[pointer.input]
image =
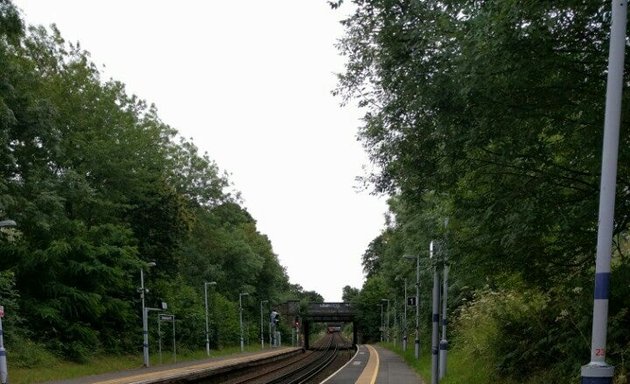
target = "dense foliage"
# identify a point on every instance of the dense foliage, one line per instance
(100, 187)
(490, 114)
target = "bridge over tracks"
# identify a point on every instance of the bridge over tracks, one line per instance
(322, 313)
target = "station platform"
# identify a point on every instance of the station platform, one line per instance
(369, 365)
(184, 371)
(375, 365)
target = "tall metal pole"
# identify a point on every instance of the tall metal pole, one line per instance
(174, 346)
(205, 289)
(444, 341)
(396, 324)
(417, 340)
(3, 355)
(145, 325)
(387, 326)
(145, 316)
(240, 312)
(262, 333)
(205, 297)
(272, 328)
(381, 305)
(436, 319)
(388, 323)
(404, 341)
(159, 338)
(4, 372)
(597, 371)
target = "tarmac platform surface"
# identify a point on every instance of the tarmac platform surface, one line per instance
(370, 365)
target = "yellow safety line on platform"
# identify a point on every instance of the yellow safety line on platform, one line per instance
(371, 368)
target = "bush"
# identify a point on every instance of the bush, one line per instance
(24, 353)
(475, 330)
(521, 333)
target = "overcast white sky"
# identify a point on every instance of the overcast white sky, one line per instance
(249, 81)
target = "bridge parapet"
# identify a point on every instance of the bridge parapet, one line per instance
(335, 312)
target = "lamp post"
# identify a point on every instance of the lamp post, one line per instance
(597, 371)
(444, 340)
(404, 315)
(405, 319)
(381, 305)
(417, 340)
(262, 333)
(435, 319)
(4, 373)
(145, 324)
(7, 223)
(387, 327)
(240, 312)
(205, 290)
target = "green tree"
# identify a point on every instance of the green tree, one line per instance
(349, 293)
(490, 114)
(100, 186)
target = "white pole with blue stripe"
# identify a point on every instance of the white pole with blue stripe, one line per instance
(597, 371)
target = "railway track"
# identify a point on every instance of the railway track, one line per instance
(327, 354)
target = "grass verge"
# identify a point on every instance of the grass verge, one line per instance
(55, 369)
(460, 368)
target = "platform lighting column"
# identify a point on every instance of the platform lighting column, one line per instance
(205, 290)
(240, 312)
(159, 327)
(417, 339)
(387, 326)
(262, 333)
(381, 327)
(4, 372)
(444, 340)
(389, 329)
(174, 345)
(435, 320)
(404, 341)
(145, 316)
(395, 325)
(597, 371)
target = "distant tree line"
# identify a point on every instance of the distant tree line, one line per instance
(100, 187)
(490, 114)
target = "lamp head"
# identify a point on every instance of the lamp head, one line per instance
(7, 223)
